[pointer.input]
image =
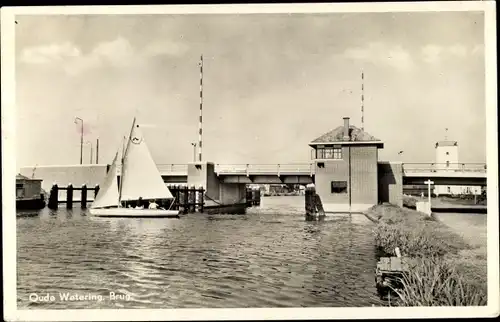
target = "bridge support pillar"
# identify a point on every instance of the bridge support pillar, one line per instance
(216, 192)
(203, 174)
(390, 182)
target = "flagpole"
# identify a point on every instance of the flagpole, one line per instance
(200, 128)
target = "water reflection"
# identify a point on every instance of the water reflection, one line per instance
(270, 257)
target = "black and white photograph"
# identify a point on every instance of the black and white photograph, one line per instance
(270, 161)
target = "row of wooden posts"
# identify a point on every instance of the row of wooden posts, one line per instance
(253, 197)
(54, 201)
(186, 199)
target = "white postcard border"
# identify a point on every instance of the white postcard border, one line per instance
(9, 163)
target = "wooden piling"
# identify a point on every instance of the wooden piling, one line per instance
(186, 199)
(310, 200)
(202, 199)
(192, 199)
(248, 196)
(257, 197)
(179, 197)
(83, 200)
(69, 196)
(314, 206)
(53, 197)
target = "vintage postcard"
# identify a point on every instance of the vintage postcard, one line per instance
(271, 161)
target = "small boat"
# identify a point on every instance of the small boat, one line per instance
(139, 180)
(29, 193)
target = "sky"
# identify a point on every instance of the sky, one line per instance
(272, 84)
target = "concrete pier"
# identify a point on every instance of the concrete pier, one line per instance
(218, 195)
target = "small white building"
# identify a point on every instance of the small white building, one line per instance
(447, 160)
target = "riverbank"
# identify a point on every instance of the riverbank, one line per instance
(411, 201)
(450, 272)
(447, 204)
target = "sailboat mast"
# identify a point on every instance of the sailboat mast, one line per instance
(121, 172)
(124, 152)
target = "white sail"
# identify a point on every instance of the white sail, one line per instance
(108, 193)
(140, 175)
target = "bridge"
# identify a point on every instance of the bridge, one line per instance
(472, 174)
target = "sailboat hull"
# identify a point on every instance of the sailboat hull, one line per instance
(134, 213)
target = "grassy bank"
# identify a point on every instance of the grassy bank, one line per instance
(450, 272)
(411, 201)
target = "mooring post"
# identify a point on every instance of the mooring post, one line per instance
(310, 198)
(177, 196)
(313, 200)
(186, 200)
(53, 197)
(192, 199)
(248, 194)
(83, 198)
(258, 196)
(202, 198)
(69, 196)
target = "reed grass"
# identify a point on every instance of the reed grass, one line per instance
(435, 282)
(449, 271)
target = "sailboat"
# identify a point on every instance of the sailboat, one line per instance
(139, 179)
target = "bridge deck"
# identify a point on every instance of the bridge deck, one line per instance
(411, 170)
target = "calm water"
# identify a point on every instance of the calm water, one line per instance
(269, 257)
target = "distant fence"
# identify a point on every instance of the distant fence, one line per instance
(444, 167)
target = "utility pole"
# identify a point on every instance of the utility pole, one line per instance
(194, 151)
(429, 183)
(81, 139)
(97, 152)
(362, 100)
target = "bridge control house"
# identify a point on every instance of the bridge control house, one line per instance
(348, 175)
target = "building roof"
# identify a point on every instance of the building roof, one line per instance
(337, 136)
(21, 177)
(446, 143)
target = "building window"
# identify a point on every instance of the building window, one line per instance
(339, 186)
(19, 190)
(329, 153)
(337, 153)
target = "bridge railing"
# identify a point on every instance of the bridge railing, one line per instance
(444, 167)
(276, 169)
(308, 168)
(173, 168)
